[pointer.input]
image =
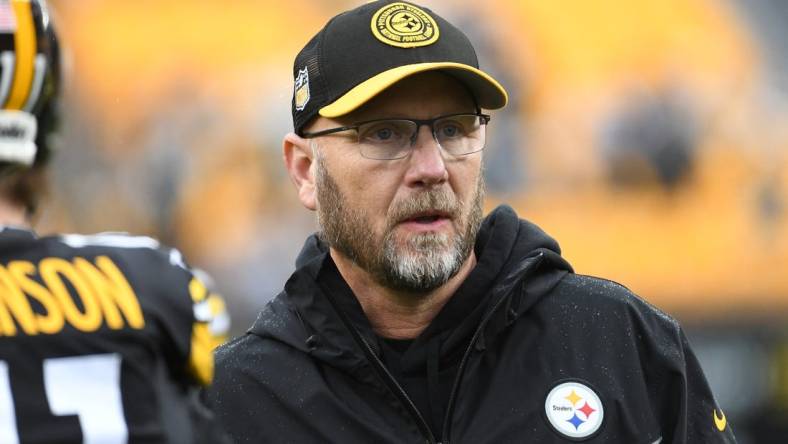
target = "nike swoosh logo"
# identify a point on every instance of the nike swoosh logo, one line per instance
(720, 422)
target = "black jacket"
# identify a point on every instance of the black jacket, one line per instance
(525, 351)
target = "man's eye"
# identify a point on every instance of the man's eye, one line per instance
(382, 133)
(450, 130)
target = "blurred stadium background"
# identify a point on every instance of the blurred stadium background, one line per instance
(649, 137)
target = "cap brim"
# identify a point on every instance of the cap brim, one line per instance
(488, 92)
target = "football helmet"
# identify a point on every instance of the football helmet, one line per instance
(29, 81)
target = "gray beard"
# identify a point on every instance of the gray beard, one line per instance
(423, 262)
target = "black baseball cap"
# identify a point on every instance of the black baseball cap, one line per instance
(361, 52)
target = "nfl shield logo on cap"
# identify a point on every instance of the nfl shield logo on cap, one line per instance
(301, 91)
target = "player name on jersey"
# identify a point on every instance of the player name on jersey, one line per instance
(35, 298)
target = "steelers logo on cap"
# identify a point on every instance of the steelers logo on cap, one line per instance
(404, 25)
(574, 410)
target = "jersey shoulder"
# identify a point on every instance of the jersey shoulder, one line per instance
(121, 244)
(154, 268)
(95, 275)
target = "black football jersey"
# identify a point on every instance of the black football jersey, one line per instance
(103, 339)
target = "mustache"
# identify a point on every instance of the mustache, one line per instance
(439, 201)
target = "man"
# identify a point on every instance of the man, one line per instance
(103, 339)
(410, 318)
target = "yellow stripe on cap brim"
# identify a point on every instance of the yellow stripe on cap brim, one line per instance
(488, 92)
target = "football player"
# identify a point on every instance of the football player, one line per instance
(104, 338)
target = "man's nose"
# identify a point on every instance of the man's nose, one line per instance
(427, 165)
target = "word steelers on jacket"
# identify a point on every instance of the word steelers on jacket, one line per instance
(574, 410)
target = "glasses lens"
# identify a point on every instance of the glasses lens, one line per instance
(460, 134)
(386, 139)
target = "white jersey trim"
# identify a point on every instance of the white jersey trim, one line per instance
(121, 240)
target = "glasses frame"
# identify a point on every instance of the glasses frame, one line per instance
(484, 119)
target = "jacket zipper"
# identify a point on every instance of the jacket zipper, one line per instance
(466, 356)
(400, 392)
(384, 373)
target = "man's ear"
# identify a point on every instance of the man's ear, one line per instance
(299, 158)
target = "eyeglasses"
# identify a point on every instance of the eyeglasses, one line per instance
(389, 139)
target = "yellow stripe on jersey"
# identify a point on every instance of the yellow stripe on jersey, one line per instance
(25, 41)
(207, 308)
